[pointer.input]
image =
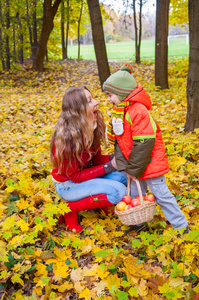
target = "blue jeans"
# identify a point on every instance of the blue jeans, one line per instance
(112, 184)
(164, 198)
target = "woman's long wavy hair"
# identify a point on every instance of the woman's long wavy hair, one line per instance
(74, 129)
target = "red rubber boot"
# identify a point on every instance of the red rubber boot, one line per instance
(91, 202)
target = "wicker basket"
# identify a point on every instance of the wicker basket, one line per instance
(139, 214)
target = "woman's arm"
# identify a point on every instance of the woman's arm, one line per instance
(99, 158)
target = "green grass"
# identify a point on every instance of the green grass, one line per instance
(126, 50)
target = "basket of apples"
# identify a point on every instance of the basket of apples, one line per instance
(138, 210)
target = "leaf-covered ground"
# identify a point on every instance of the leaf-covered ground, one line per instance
(40, 259)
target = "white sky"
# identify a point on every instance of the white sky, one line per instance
(118, 4)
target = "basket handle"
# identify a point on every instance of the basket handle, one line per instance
(138, 187)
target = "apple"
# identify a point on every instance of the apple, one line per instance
(121, 206)
(150, 198)
(127, 199)
(127, 207)
(138, 197)
(135, 202)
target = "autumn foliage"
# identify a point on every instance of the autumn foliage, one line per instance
(40, 259)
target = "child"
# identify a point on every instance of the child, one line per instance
(139, 148)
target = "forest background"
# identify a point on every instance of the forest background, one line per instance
(40, 259)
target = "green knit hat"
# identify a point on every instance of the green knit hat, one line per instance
(121, 83)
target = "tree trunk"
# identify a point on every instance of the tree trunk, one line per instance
(62, 31)
(1, 38)
(161, 43)
(138, 31)
(7, 37)
(49, 12)
(34, 17)
(29, 27)
(79, 24)
(19, 37)
(98, 40)
(14, 43)
(67, 25)
(192, 119)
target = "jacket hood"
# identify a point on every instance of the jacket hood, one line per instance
(139, 95)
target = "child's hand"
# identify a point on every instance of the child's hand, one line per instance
(132, 177)
(117, 126)
(113, 162)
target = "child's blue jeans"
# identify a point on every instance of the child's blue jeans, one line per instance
(112, 184)
(164, 198)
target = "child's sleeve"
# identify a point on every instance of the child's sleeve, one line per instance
(143, 134)
(139, 157)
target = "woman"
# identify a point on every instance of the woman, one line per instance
(83, 177)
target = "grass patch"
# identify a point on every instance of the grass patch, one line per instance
(126, 50)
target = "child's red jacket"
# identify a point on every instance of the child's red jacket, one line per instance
(140, 150)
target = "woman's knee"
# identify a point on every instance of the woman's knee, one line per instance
(117, 176)
(117, 193)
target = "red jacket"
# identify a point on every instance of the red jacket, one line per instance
(93, 167)
(140, 150)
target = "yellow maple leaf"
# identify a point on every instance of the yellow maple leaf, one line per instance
(135, 269)
(63, 207)
(85, 294)
(66, 286)
(76, 275)
(3, 252)
(142, 287)
(23, 225)
(19, 295)
(86, 249)
(113, 281)
(60, 254)
(17, 279)
(16, 241)
(40, 270)
(9, 223)
(79, 287)
(99, 287)
(60, 269)
(178, 281)
(23, 204)
(2, 209)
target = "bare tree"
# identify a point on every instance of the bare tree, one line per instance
(192, 119)
(79, 24)
(49, 12)
(98, 40)
(62, 30)
(138, 30)
(161, 43)
(7, 36)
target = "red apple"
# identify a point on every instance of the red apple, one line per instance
(135, 202)
(127, 199)
(150, 198)
(138, 197)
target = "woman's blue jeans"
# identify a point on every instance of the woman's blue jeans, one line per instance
(164, 198)
(112, 184)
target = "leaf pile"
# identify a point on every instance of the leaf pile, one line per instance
(40, 259)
